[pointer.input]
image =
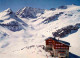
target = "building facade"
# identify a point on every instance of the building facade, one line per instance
(57, 48)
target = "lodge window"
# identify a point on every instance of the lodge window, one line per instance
(62, 54)
(58, 47)
(49, 41)
(61, 44)
(66, 47)
(63, 47)
(57, 44)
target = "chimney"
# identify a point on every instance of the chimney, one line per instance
(58, 38)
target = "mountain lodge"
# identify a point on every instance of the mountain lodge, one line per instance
(57, 48)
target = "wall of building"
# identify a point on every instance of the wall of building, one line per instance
(57, 50)
(56, 47)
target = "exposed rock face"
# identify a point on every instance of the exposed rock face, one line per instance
(13, 26)
(3, 35)
(8, 10)
(62, 7)
(66, 30)
(11, 21)
(52, 18)
(53, 9)
(29, 12)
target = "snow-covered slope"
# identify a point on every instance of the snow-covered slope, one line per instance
(8, 19)
(28, 42)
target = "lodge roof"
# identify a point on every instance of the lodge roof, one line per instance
(64, 42)
(53, 38)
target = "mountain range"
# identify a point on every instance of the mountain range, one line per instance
(23, 32)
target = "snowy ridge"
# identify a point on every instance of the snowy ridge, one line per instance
(8, 19)
(28, 42)
(29, 12)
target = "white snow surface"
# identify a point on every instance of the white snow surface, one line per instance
(27, 43)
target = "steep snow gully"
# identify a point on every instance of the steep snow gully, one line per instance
(22, 34)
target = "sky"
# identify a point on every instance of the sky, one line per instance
(43, 4)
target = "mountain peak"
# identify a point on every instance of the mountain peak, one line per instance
(52, 9)
(8, 10)
(62, 7)
(29, 12)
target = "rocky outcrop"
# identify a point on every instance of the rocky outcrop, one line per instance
(29, 12)
(53, 9)
(3, 35)
(13, 26)
(62, 7)
(65, 31)
(11, 21)
(52, 18)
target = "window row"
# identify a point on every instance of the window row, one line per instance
(59, 44)
(49, 41)
(61, 47)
